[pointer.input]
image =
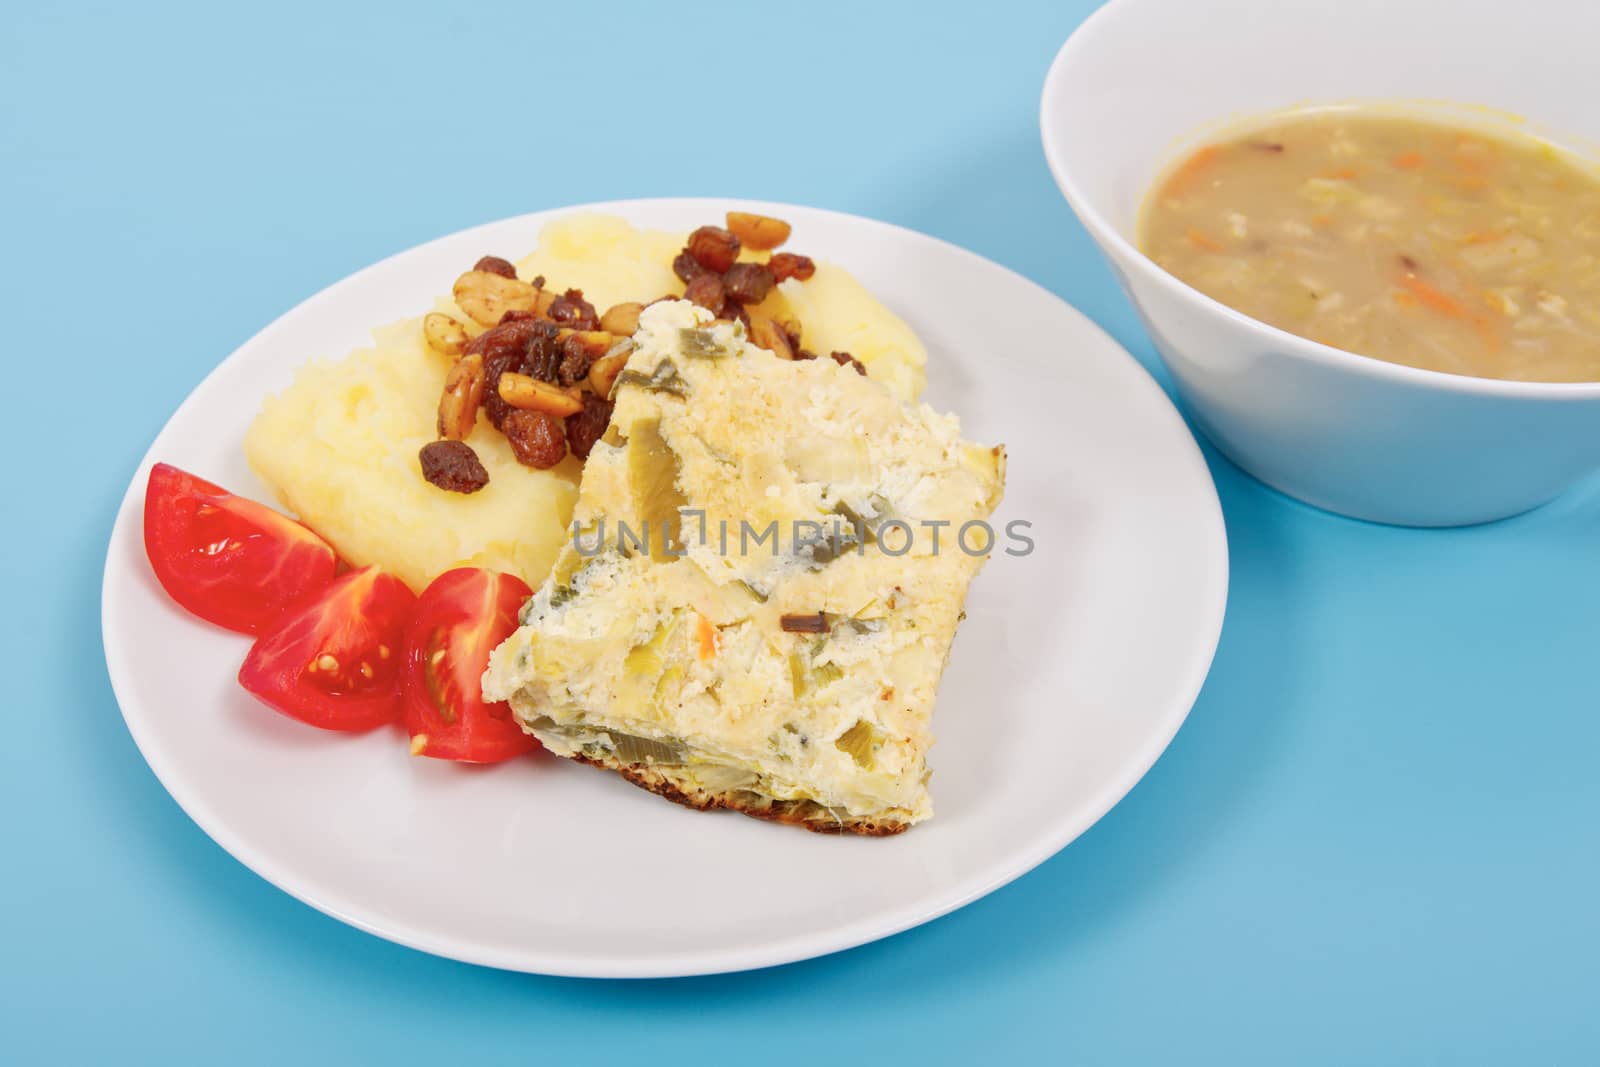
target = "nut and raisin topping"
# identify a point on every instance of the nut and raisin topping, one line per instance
(542, 365)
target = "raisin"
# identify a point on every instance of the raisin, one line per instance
(518, 315)
(575, 362)
(571, 309)
(496, 265)
(804, 353)
(536, 437)
(734, 311)
(748, 283)
(845, 359)
(453, 466)
(707, 291)
(687, 268)
(786, 265)
(544, 355)
(494, 408)
(508, 338)
(588, 425)
(713, 248)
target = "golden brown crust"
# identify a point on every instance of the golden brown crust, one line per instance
(806, 813)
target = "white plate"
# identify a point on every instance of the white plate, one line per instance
(1075, 666)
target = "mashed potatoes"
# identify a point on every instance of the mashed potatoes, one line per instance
(340, 445)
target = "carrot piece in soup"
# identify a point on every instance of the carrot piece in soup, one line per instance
(1190, 170)
(1431, 296)
(1408, 161)
(1201, 239)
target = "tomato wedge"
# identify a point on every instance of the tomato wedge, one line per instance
(229, 560)
(335, 663)
(460, 619)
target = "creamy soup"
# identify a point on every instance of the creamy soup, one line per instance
(1410, 240)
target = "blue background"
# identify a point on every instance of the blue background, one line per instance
(1375, 839)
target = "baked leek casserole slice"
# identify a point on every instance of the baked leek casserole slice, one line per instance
(768, 563)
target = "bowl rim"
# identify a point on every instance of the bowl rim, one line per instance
(1111, 241)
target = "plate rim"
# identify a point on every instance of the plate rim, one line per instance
(769, 952)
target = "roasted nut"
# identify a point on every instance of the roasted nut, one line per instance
(603, 374)
(707, 291)
(761, 232)
(530, 394)
(713, 248)
(786, 265)
(453, 466)
(496, 265)
(537, 438)
(463, 393)
(748, 283)
(765, 332)
(588, 425)
(486, 297)
(622, 319)
(571, 309)
(444, 335)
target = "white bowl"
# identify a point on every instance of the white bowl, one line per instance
(1143, 80)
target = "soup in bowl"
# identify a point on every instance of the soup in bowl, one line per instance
(1379, 303)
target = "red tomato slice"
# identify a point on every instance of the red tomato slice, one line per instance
(335, 663)
(229, 560)
(460, 619)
